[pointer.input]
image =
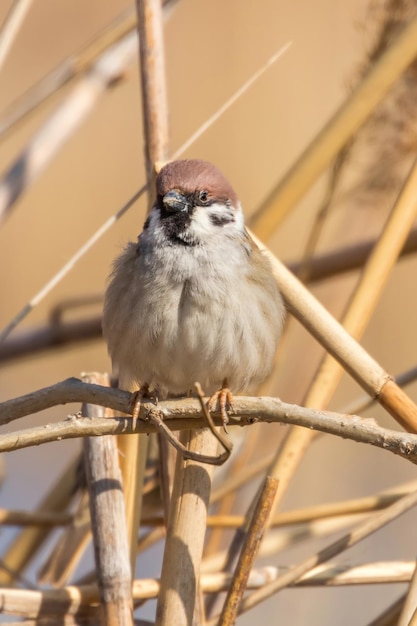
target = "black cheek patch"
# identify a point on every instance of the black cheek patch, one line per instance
(221, 220)
(147, 222)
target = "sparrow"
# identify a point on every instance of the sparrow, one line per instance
(194, 299)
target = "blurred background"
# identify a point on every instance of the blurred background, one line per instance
(212, 47)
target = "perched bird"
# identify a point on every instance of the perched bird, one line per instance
(194, 299)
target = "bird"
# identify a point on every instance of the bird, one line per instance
(194, 299)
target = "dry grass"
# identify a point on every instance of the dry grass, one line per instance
(220, 531)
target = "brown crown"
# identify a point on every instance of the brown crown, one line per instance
(190, 175)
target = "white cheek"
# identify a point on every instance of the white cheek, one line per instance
(201, 223)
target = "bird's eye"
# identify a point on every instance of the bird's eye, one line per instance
(203, 197)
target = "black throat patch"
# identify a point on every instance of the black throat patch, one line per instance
(176, 226)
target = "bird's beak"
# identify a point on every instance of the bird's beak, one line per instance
(174, 201)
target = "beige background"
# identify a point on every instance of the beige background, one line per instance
(212, 48)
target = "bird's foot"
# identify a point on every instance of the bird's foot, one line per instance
(136, 402)
(224, 399)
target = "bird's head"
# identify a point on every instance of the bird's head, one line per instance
(194, 202)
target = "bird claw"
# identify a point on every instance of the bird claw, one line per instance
(136, 403)
(224, 398)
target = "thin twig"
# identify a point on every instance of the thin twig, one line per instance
(237, 94)
(157, 420)
(249, 552)
(65, 269)
(11, 26)
(358, 534)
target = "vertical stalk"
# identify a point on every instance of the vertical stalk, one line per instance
(133, 449)
(108, 521)
(186, 531)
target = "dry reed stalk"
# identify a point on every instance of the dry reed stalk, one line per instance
(344, 259)
(337, 341)
(64, 122)
(133, 450)
(70, 68)
(347, 120)
(409, 611)
(108, 521)
(237, 475)
(362, 304)
(64, 557)
(154, 94)
(11, 26)
(363, 301)
(357, 534)
(356, 506)
(185, 533)
(246, 474)
(390, 615)
(353, 358)
(29, 518)
(30, 540)
(78, 601)
(250, 546)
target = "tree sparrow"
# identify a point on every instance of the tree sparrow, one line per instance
(194, 299)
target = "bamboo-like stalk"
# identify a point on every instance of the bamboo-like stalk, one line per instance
(363, 302)
(154, 95)
(347, 120)
(133, 450)
(108, 522)
(249, 552)
(185, 533)
(341, 345)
